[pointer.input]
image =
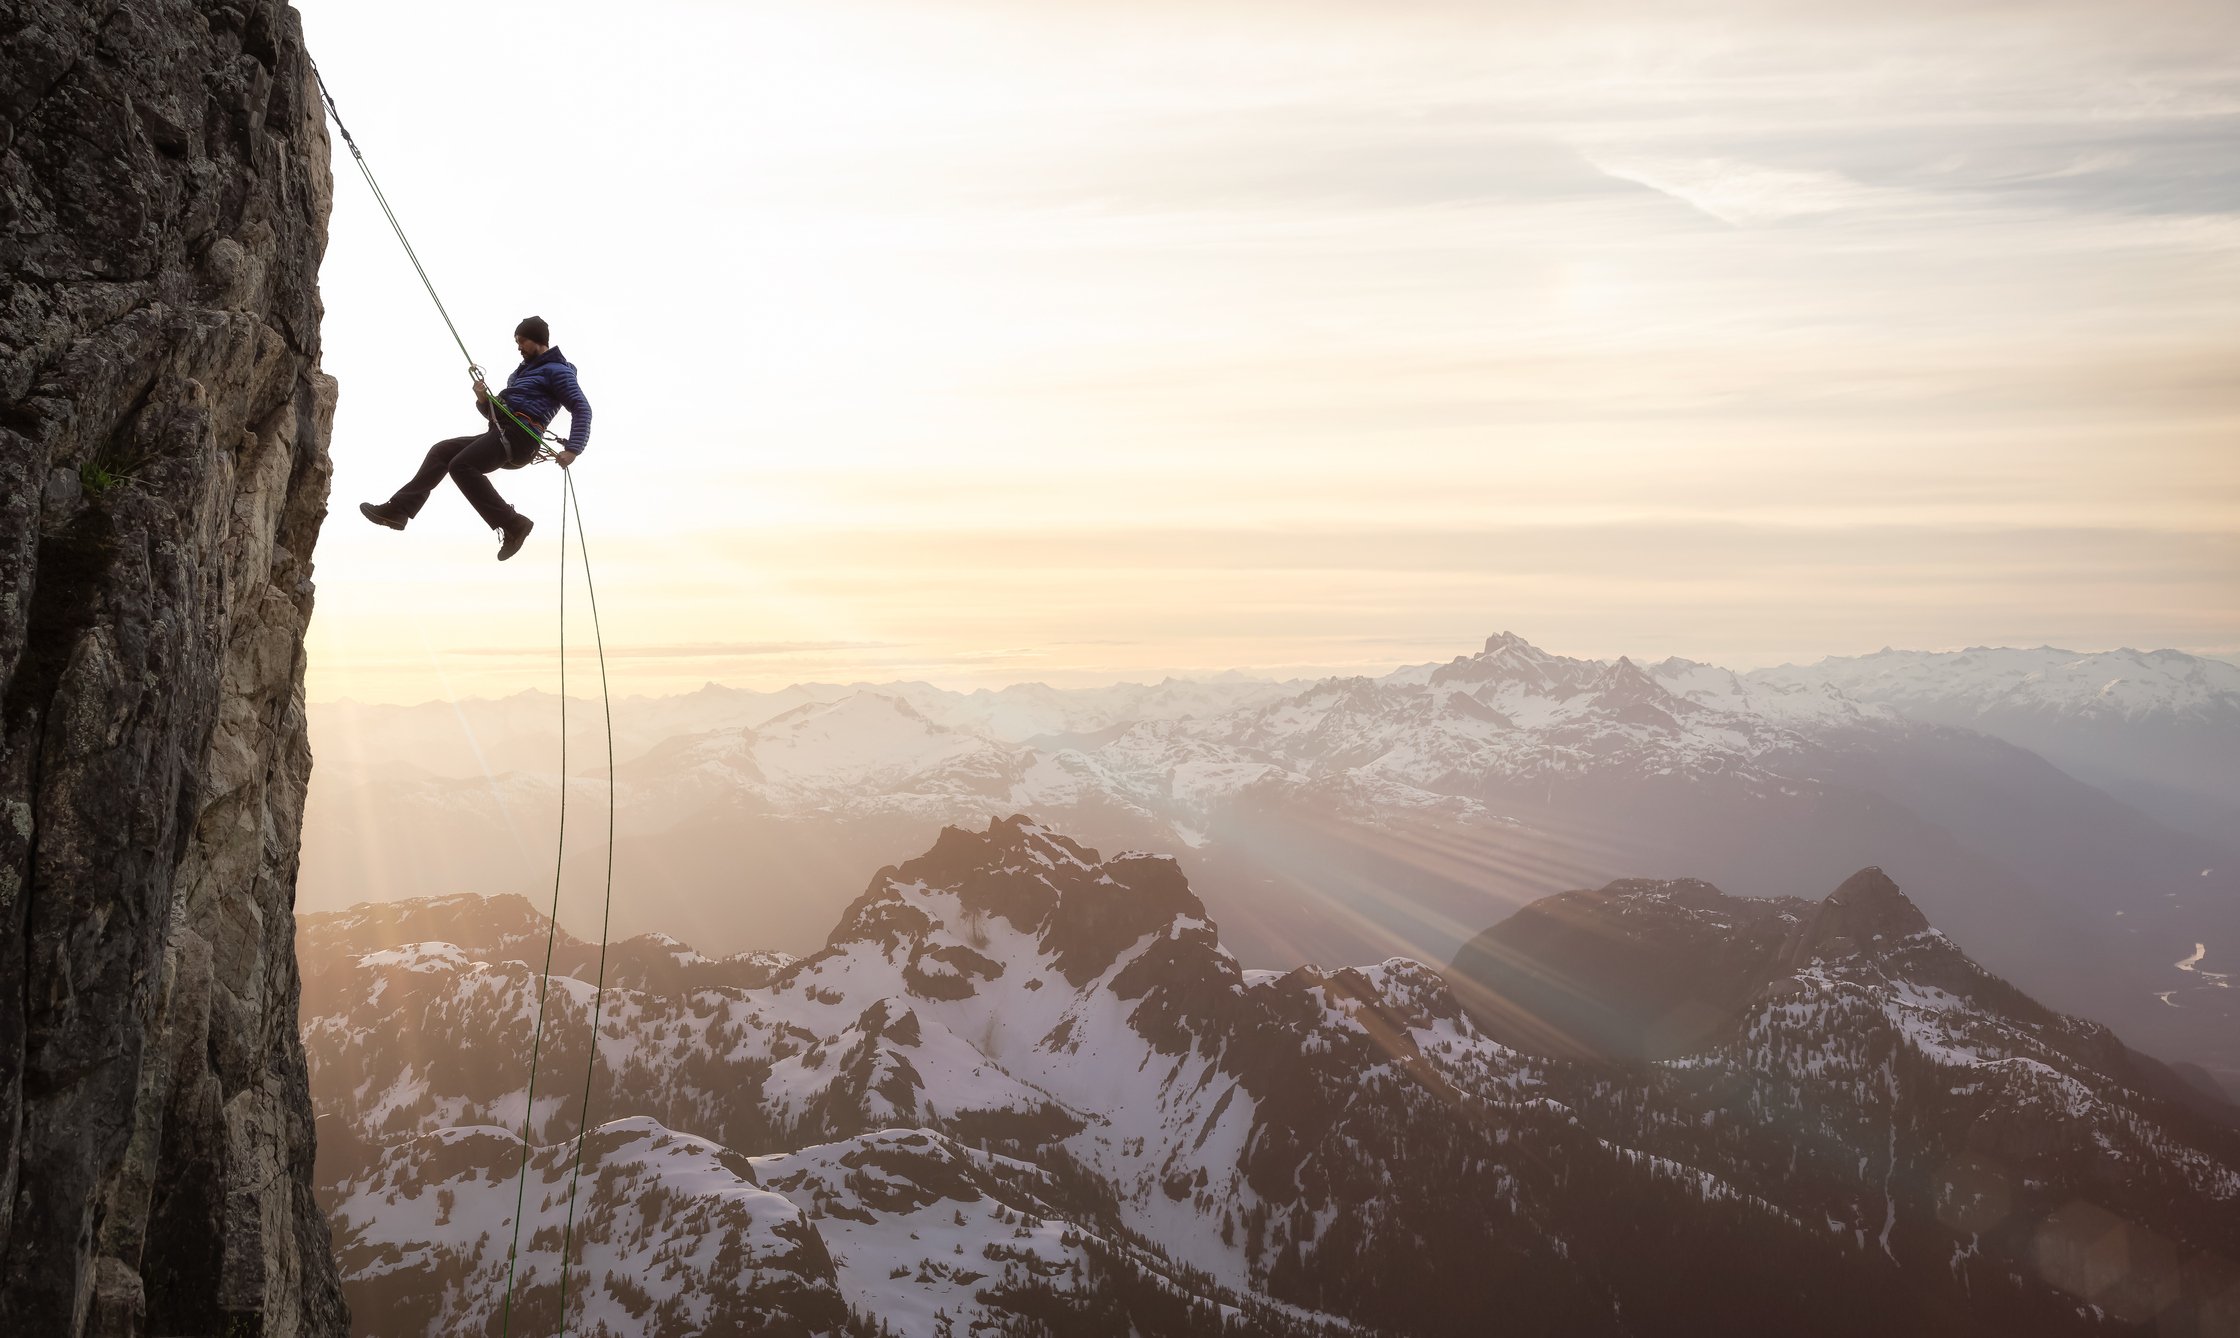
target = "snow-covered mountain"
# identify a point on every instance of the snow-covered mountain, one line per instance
(1431, 740)
(1356, 818)
(481, 737)
(2114, 685)
(2159, 729)
(1024, 1089)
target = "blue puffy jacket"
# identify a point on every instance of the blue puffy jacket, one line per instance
(544, 385)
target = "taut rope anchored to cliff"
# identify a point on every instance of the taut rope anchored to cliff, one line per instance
(547, 446)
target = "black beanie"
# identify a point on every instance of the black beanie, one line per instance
(534, 328)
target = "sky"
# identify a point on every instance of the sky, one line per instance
(985, 341)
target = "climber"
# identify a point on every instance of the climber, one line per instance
(544, 383)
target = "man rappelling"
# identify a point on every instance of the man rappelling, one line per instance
(543, 384)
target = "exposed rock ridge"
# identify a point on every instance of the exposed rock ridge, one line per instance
(164, 189)
(1650, 968)
(1866, 910)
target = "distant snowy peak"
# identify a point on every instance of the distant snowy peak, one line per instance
(1514, 713)
(859, 735)
(1794, 703)
(2116, 685)
(1510, 660)
(1031, 712)
(2127, 685)
(1532, 686)
(864, 743)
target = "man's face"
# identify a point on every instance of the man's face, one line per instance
(527, 345)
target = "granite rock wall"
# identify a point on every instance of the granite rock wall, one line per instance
(164, 188)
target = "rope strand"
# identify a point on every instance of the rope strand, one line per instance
(544, 980)
(386, 212)
(599, 989)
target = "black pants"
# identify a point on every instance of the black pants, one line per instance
(469, 461)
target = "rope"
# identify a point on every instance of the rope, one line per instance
(544, 979)
(365, 170)
(549, 444)
(599, 989)
(390, 214)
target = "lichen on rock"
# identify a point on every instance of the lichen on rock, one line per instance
(164, 190)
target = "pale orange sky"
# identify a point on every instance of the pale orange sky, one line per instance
(981, 342)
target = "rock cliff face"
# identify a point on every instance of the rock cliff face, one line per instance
(164, 189)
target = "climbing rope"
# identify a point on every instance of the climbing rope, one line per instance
(599, 989)
(544, 978)
(391, 215)
(547, 449)
(568, 504)
(381, 198)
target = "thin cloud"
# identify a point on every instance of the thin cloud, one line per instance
(1748, 194)
(701, 650)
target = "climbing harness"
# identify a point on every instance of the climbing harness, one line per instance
(548, 448)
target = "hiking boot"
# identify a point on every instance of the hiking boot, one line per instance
(381, 513)
(517, 534)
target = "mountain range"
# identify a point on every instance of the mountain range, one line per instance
(1352, 818)
(2159, 730)
(1023, 1088)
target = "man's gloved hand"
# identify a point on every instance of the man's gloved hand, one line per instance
(567, 458)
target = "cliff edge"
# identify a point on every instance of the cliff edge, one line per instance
(164, 188)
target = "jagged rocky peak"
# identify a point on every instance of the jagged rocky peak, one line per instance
(1080, 907)
(1336, 695)
(1636, 698)
(1626, 676)
(1654, 968)
(1510, 658)
(1509, 664)
(164, 188)
(1866, 911)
